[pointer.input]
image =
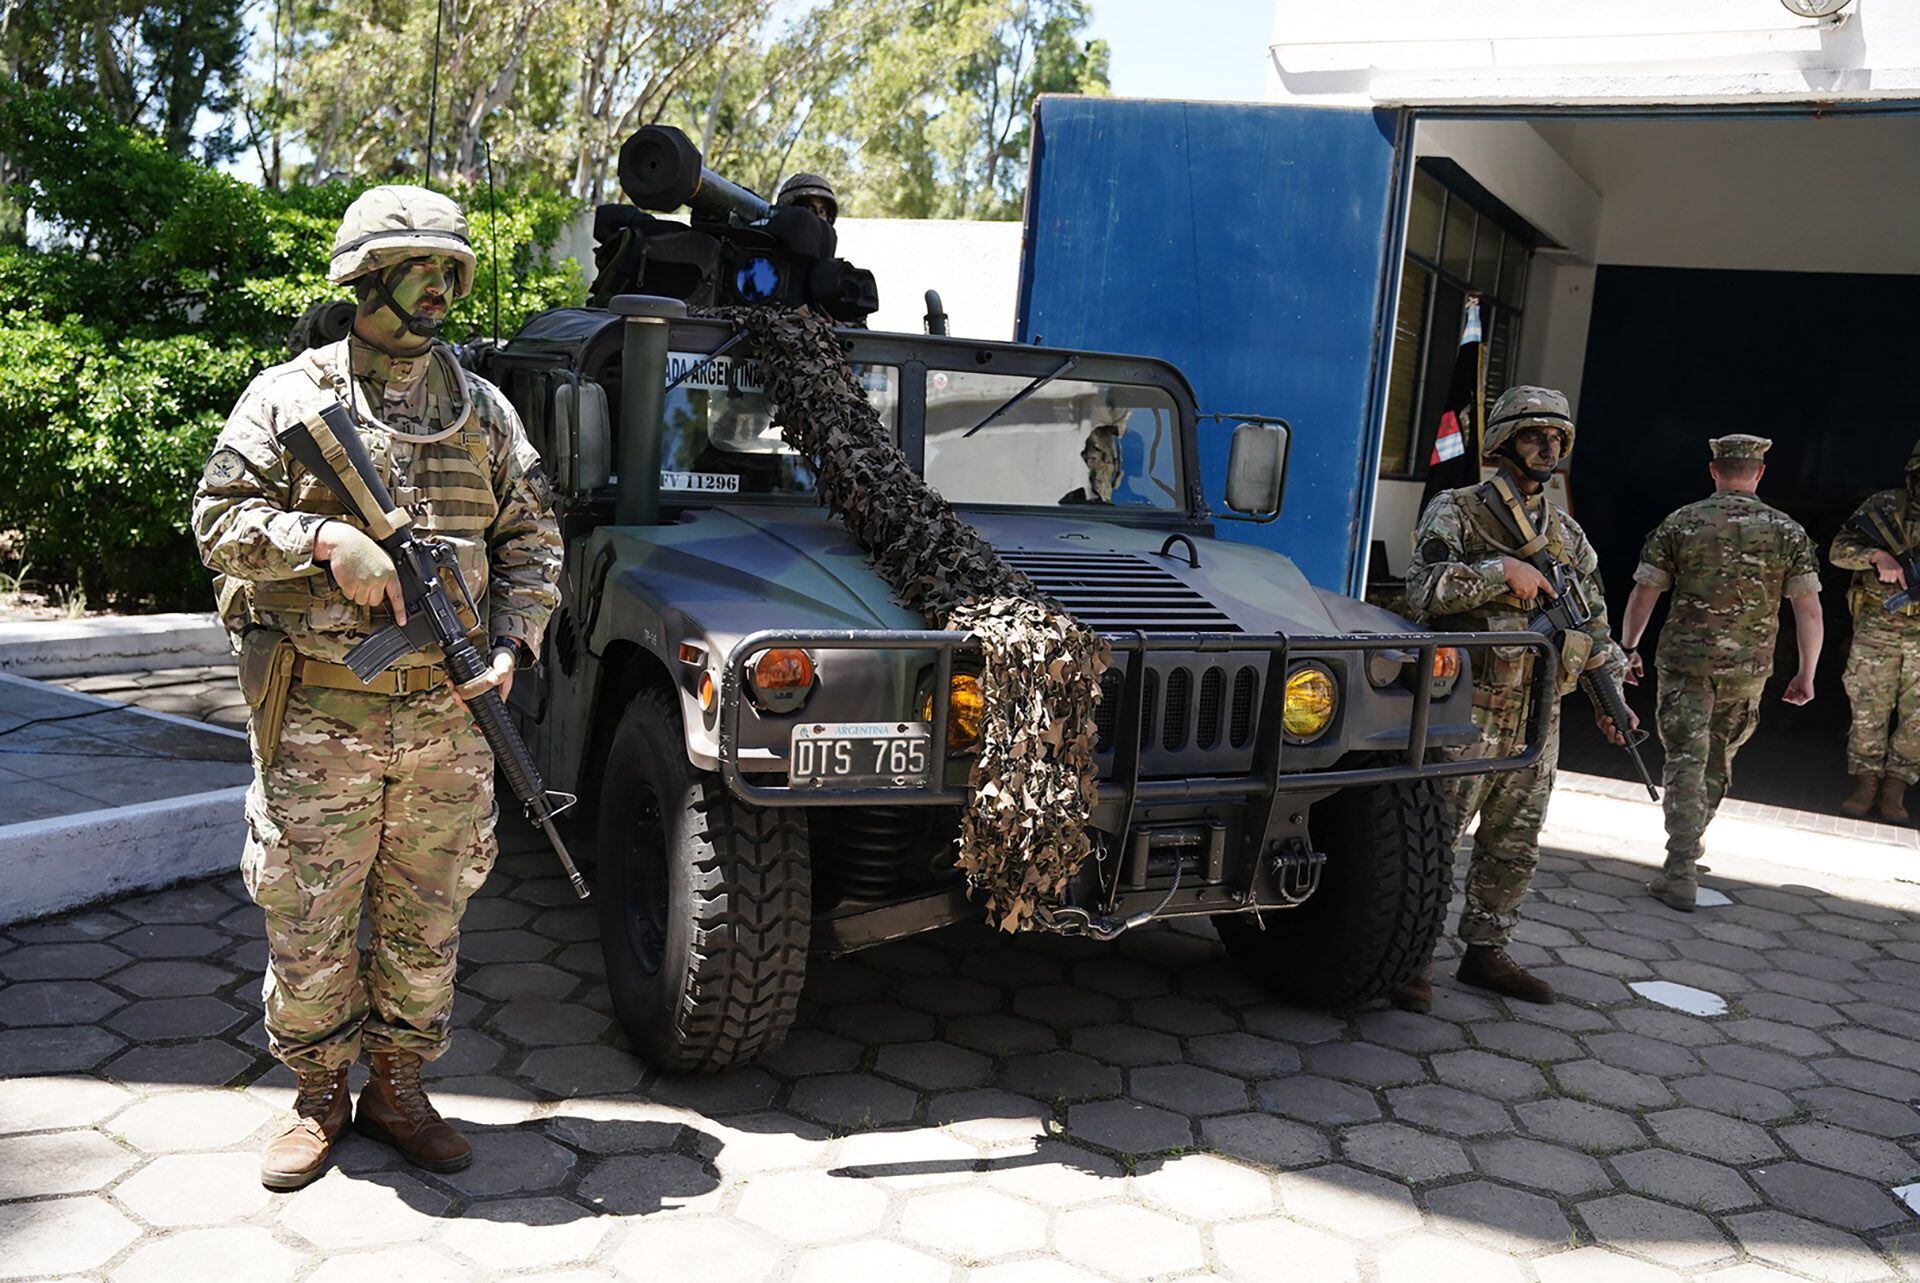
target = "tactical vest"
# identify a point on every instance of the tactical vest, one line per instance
(1866, 592)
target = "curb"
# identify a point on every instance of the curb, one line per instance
(112, 644)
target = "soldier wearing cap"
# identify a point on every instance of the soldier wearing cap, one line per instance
(372, 798)
(812, 192)
(1469, 573)
(1728, 559)
(1882, 676)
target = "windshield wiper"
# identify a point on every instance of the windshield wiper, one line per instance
(1023, 394)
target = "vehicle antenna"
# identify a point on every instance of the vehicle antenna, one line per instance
(493, 237)
(433, 90)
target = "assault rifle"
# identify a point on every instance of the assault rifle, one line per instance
(440, 610)
(1881, 538)
(1567, 611)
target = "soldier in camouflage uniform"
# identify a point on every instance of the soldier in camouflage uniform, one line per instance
(1882, 676)
(1468, 573)
(374, 794)
(1728, 559)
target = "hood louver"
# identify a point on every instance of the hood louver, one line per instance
(1119, 591)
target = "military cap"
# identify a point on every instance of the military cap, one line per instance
(1526, 407)
(1740, 445)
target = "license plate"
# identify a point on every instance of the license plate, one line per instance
(859, 755)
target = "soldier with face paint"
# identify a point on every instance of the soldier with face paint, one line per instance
(1468, 574)
(372, 798)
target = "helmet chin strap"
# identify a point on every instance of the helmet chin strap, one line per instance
(1539, 476)
(426, 327)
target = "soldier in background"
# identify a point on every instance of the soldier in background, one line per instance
(1728, 560)
(1882, 677)
(812, 192)
(371, 796)
(1464, 577)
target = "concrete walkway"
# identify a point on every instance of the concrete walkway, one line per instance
(966, 1106)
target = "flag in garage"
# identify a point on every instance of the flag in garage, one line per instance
(1456, 441)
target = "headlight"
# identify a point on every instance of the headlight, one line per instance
(1310, 701)
(1384, 667)
(966, 712)
(1446, 671)
(781, 679)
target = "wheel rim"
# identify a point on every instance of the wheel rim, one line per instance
(644, 902)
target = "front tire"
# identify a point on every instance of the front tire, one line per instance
(1380, 906)
(704, 902)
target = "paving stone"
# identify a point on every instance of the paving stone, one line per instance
(1065, 1006)
(948, 995)
(61, 1236)
(484, 1101)
(1274, 1248)
(76, 1162)
(1567, 1017)
(195, 1189)
(1844, 1107)
(384, 1207)
(1425, 1258)
(1107, 972)
(1528, 1042)
(1829, 1197)
(1362, 1063)
(1312, 1099)
(1681, 1178)
(1127, 1242)
(812, 1051)
(1865, 1075)
(1400, 1151)
(1060, 1076)
(880, 1261)
(1501, 1217)
(206, 1062)
(1537, 1165)
(1774, 1035)
(1643, 1055)
(907, 1158)
(232, 1252)
(467, 1054)
(172, 940)
(1590, 1128)
(1201, 1187)
(996, 1034)
(695, 1247)
(1244, 1055)
(173, 978)
(1758, 1065)
(1610, 1085)
(645, 1184)
(1264, 1139)
(746, 1144)
(409, 1264)
(510, 1162)
(1660, 1232)
(857, 1101)
(1501, 1077)
(581, 1070)
(1347, 1201)
(197, 902)
(837, 982)
(1407, 1031)
(1598, 1265)
(1188, 1089)
(55, 1002)
(1292, 1024)
(1129, 1127)
(37, 1104)
(811, 1206)
(1450, 1110)
(737, 1091)
(988, 1117)
(189, 1120)
(1807, 1247)
(973, 1224)
(1875, 1045)
(155, 1018)
(1732, 1096)
(78, 961)
(541, 1023)
(933, 1066)
(523, 1233)
(1126, 1044)
(1182, 1017)
(54, 1050)
(1711, 1135)
(1849, 1151)
(509, 980)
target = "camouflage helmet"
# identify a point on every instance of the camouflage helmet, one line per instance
(390, 224)
(1913, 459)
(1526, 407)
(798, 187)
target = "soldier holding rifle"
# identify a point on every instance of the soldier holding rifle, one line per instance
(1728, 560)
(1477, 564)
(373, 792)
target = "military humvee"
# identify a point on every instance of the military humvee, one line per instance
(778, 751)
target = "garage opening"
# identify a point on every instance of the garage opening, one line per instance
(1680, 277)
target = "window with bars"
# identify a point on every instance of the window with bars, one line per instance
(1459, 239)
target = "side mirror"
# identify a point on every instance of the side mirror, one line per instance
(1257, 470)
(582, 436)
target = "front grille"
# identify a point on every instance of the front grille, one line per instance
(1241, 729)
(1179, 691)
(1120, 592)
(1211, 687)
(1222, 706)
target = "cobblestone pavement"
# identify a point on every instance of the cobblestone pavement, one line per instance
(207, 693)
(967, 1107)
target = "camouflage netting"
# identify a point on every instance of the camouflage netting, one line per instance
(1024, 834)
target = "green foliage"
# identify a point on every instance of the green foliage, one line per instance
(156, 291)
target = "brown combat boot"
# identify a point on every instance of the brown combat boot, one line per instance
(1417, 994)
(1893, 800)
(321, 1108)
(1676, 891)
(1487, 966)
(394, 1110)
(1860, 801)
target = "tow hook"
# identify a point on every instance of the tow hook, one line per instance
(1071, 920)
(1295, 871)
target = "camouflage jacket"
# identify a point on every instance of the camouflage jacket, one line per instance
(1728, 560)
(1455, 582)
(479, 489)
(1852, 549)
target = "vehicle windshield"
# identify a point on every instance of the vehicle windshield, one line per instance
(1070, 442)
(718, 435)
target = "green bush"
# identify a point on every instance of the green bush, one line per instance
(155, 290)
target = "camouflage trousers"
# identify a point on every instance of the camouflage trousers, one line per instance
(1703, 722)
(376, 801)
(1511, 805)
(1882, 680)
